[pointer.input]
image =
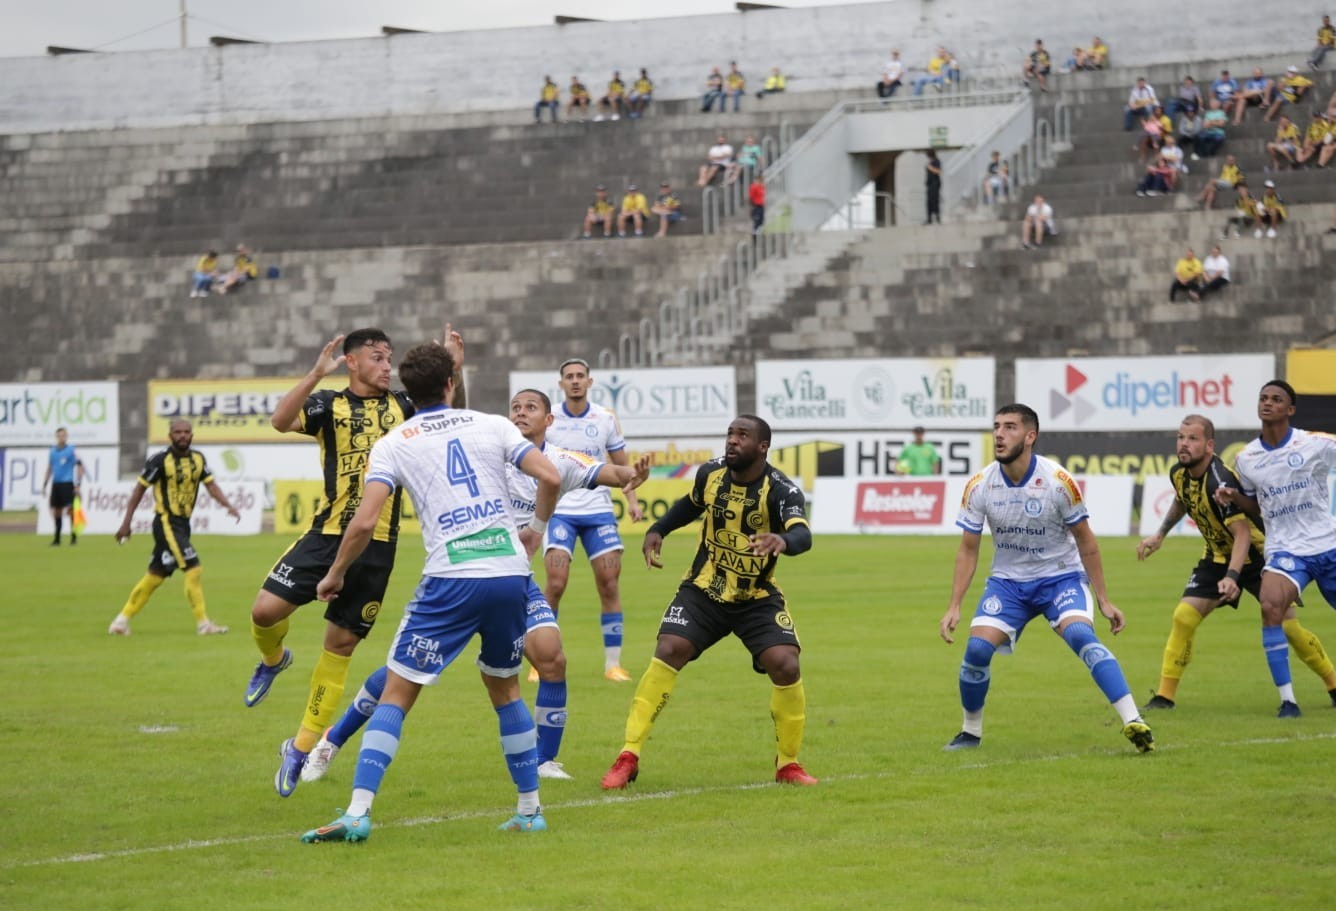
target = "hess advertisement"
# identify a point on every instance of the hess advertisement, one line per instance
(948, 393)
(652, 402)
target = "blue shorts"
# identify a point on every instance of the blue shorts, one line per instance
(442, 618)
(537, 612)
(598, 534)
(1319, 568)
(1008, 605)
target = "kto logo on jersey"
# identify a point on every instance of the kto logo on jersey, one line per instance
(899, 502)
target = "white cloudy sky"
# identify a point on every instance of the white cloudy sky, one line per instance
(28, 27)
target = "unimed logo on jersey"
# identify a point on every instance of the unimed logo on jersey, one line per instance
(899, 503)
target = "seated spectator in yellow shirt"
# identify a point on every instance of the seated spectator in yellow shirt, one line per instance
(1285, 145)
(642, 93)
(613, 102)
(774, 83)
(1289, 90)
(1326, 40)
(735, 86)
(243, 270)
(1090, 58)
(1188, 273)
(668, 206)
(547, 99)
(1315, 140)
(1270, 210)
(206, 272)
(579, 99)
(635, 209)
(1230, 176)
(600, 212)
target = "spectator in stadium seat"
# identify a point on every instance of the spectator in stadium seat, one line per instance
(1328, 143)
(1037, 66)
(1152, 137)
(1188, 273)
(1314, 139)
(635, 209)
(642, 93)
(548, 98)
(997, 182)
(579, 99)
(668, 207)
(714, 91)
(600, 212)
(1212, 135)
(206, 273)
(1230, 176)
(936, 74)
(750, 160)
(735, 86)
(243, 271)
(1189, 127)
(717, 161)
(1291, 89)
(1285, 145)
(1140, 101)
(774, 83)
(1215, 272)
(1270, 210)
(1258, 90)
(1037, 223)
(1244, 214)
(1158, 178)
(1094, 57)
(1326, 40)
(1187, 99)
(1225, 88)
(891, 75)
(612, 103)
(1172, 153)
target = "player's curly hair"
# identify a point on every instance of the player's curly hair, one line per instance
(425, 371)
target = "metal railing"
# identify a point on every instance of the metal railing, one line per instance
(1024, 161)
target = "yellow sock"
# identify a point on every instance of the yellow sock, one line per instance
(140, 594)
(327, 682)
(1178, 650)
(269, 640)
(195, 593)
(652, 694)
(788, 706)
(1309, 649)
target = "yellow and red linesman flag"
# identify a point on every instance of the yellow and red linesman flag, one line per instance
(78, 518)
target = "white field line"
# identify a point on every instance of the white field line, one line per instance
(638, 797)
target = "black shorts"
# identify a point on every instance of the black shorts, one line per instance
(62, 494)
(760, 624)
(172, 549)
(1206, 575)
(296, 574)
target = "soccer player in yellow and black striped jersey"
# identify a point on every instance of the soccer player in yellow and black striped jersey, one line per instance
(346, 423)
(751, 514)
(175, 475)
(1230, 564)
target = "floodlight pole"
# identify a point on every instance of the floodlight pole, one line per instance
(183, 24)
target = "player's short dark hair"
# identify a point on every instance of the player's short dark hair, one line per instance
(361, 337)
(1029, 418)
(1207, 425)
(424, 373)
(1289, 390)
(542, 397)
(762, 426)
(574, 360)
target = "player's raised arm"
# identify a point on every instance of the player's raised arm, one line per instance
(967, 561)
(627, 477)
(286, 416)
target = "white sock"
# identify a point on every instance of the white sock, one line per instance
(612, 656)
(528, 805)
(360, 803)
(1127, 709)
(1287, 692)
(973, 723)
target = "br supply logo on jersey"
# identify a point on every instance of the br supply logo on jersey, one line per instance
(899, 503)
(1143, 393)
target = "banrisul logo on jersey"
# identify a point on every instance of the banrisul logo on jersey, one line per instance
(1146, 393)
(950, 393)
(652, 402)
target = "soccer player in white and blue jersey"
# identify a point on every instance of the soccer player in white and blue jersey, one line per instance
(476, 579)
(1283, 480)
(1046, 563)
(586, 516)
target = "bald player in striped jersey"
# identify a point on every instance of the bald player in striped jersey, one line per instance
(1046, 563)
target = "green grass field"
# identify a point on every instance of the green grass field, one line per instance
(135, 778)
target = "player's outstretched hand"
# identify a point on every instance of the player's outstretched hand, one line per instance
(950, 620)
(329, 587)
(454, 343)
(1115, 617)
(768, 544)
(651, 549)
(1148, 546)
(329, 361)
(641, 467)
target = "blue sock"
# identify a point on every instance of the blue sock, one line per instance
(379, 745)
(550, 714)
(519, 744)
(1277, 654)
(975, 673)
(612, 630)
(356, 715)
(1108, 674)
